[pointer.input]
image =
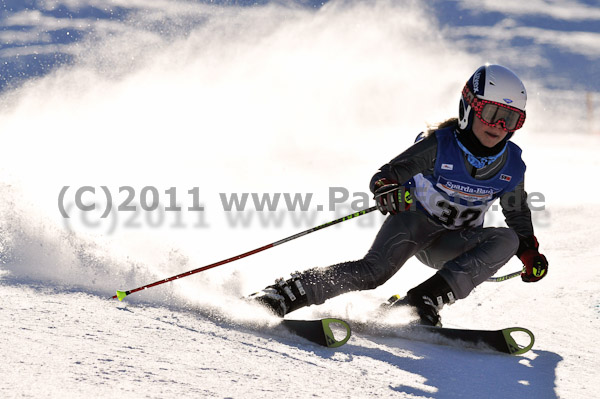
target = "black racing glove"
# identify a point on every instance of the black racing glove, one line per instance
(391, 197)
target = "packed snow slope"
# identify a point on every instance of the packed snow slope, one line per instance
(169, 111)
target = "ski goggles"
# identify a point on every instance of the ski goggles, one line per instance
(492, 113)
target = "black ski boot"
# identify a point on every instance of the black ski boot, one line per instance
(427, 298)
(282, 297)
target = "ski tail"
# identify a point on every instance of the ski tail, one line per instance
(319, 331)
(499, 340)
(513, 347)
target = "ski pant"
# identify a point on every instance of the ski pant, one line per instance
(464, 258)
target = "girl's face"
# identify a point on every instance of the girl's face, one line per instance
(489, 136)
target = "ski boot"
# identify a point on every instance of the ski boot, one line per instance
(282, 297)
(428, 298)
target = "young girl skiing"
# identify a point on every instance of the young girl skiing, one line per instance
(436, 194)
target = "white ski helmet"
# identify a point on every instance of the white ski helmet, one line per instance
(496, 95)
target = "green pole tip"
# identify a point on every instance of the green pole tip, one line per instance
(121, 295)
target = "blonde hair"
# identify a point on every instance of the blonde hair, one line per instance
(447, 123)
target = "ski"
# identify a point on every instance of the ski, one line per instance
(318, 331)
(498, 340)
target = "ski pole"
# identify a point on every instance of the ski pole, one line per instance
(504, 278)
(122, 294)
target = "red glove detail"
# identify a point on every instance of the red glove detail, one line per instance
(535, 264)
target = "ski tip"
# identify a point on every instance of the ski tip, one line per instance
(121, 295)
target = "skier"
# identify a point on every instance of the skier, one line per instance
(436, 194)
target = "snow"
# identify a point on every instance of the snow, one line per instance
(72, 344)
(278, 98)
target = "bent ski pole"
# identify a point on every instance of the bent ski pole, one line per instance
(122, 294)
